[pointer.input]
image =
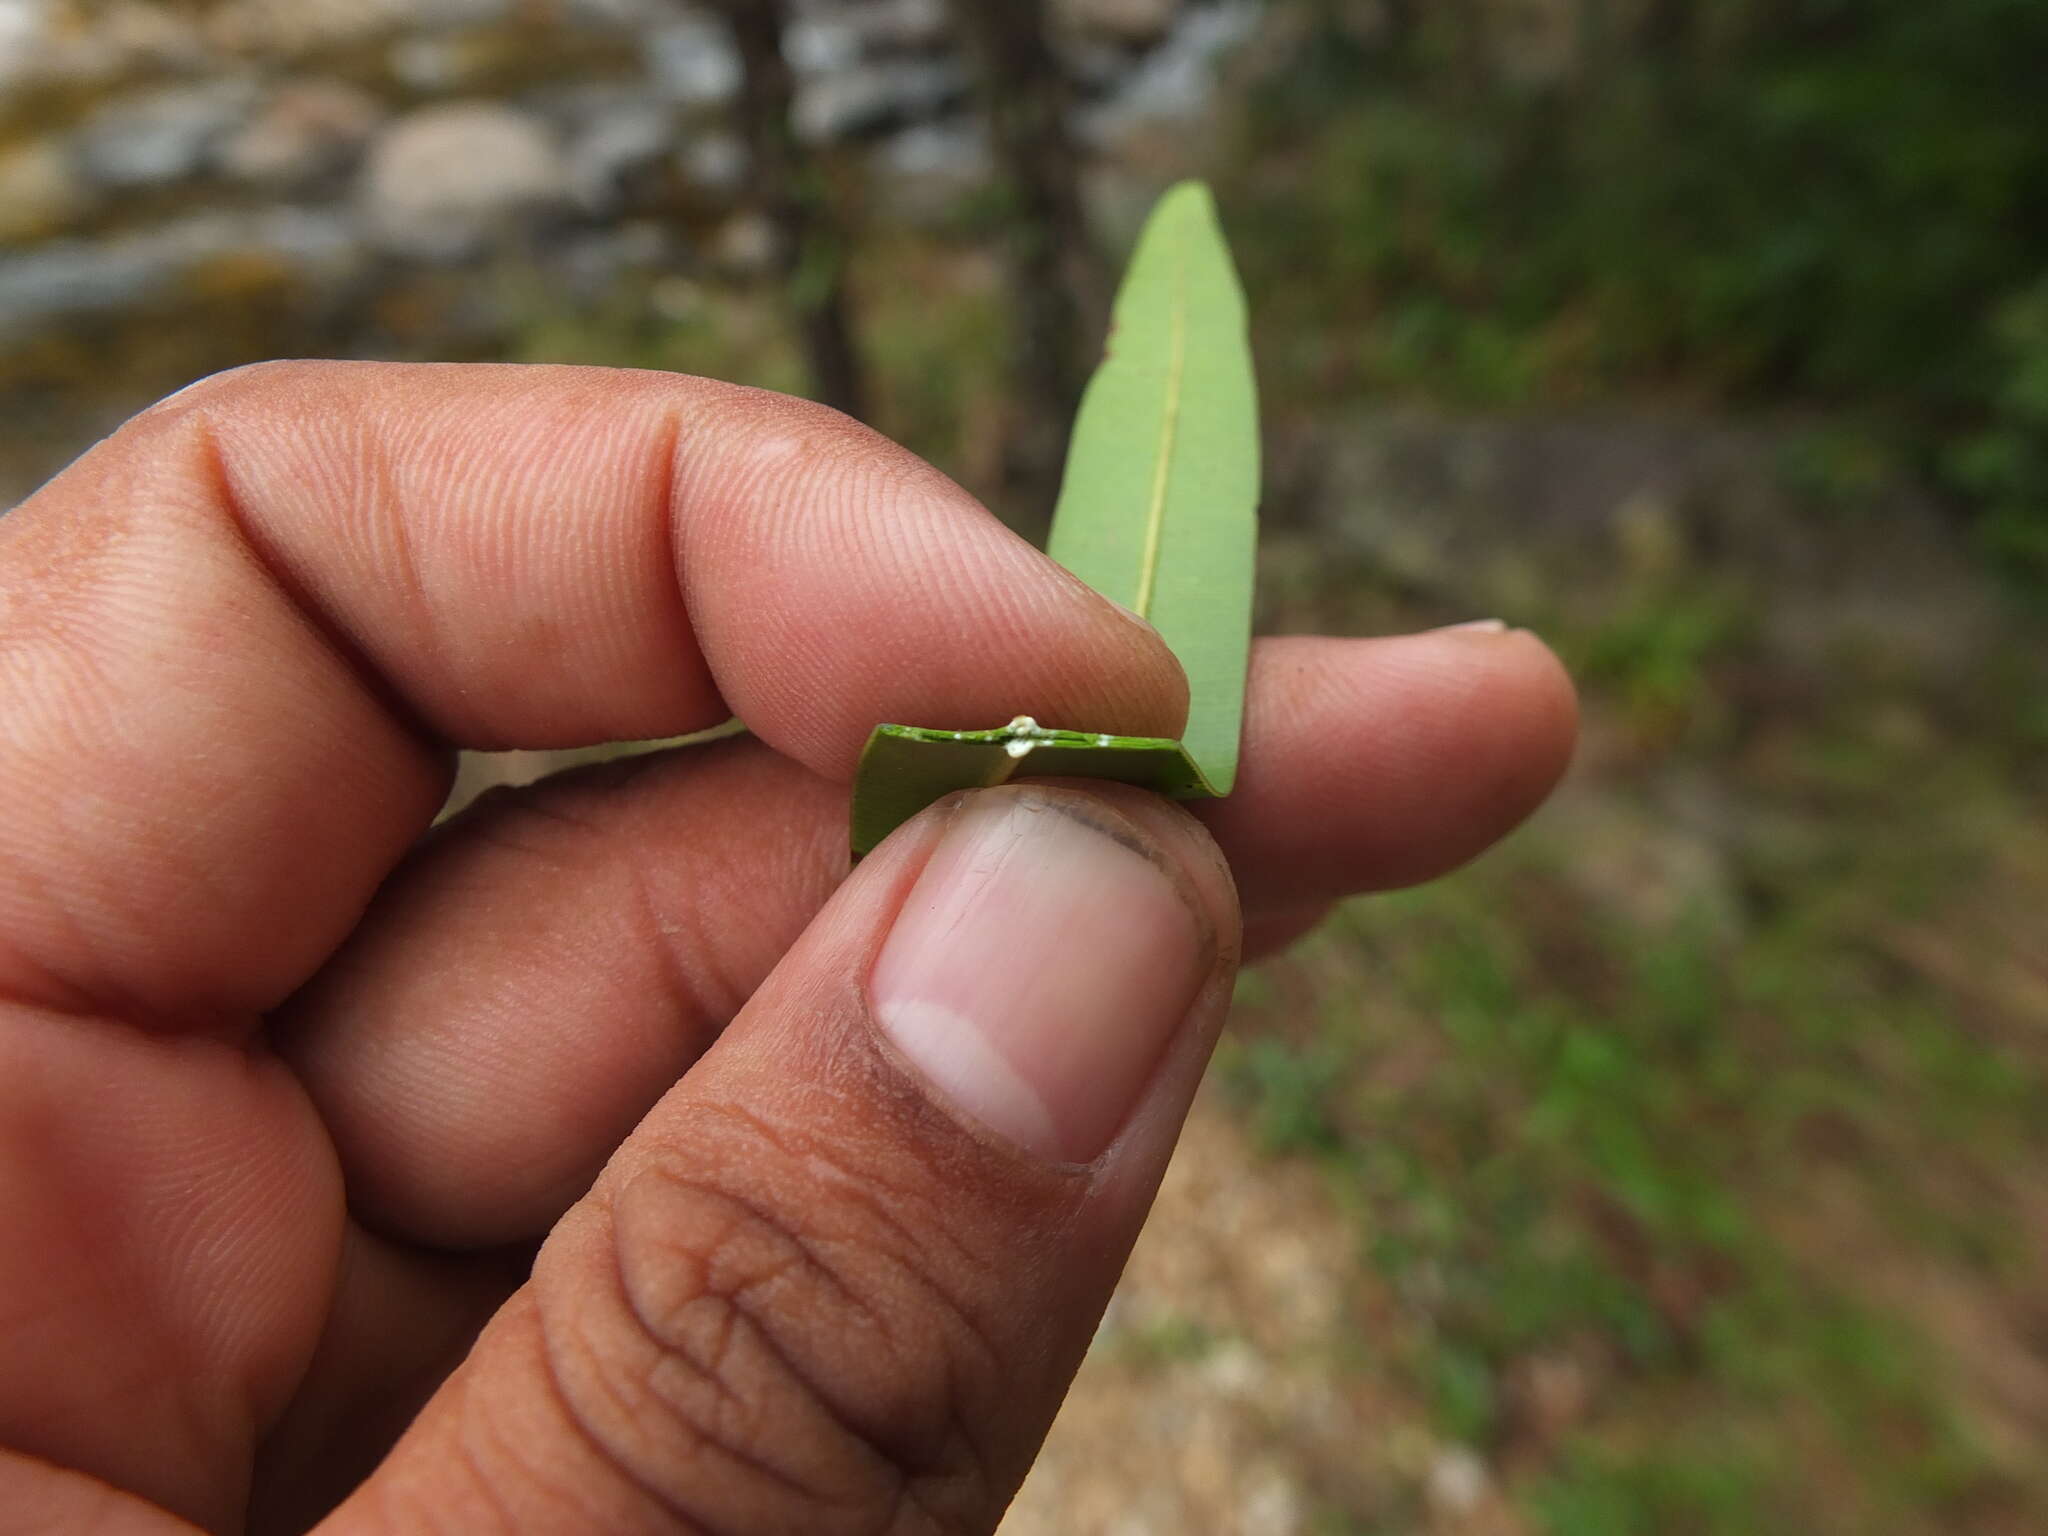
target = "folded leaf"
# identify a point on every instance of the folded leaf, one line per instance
(904, 768)
(1159, 510)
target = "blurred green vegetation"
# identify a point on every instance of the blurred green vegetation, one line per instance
(1823, 203)
(1834, 212)
(1654, 1159)
(1696, 1140)
(1706, 1197)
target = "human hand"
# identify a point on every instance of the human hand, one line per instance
(835, 1175)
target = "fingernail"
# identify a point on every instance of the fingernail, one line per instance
(1474, 627)
(1042, 962)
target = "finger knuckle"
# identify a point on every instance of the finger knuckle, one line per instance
(806, 440)
(231, 386)
(548, 827)
(758, 1367)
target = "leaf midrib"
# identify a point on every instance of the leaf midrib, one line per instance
(1169, 432)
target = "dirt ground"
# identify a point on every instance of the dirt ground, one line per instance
(1227, 1394)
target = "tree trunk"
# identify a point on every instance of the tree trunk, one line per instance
(1058, 291)
(1668, 30)
(788, 187)
(1403, 24)
(1471, 63)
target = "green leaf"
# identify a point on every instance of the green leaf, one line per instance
(1159, 510)
(904, 768)
(1160, 505)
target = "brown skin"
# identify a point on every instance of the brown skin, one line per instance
(290, 1090)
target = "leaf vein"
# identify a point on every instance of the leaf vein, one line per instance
(1169, 432)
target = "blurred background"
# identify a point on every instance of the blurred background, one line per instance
(1681, 1167)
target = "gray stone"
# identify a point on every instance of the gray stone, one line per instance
(746, 244)
(81, 276)
(692, 62)
(1177, 80)
(22, 24)
(902, 24)
(306, 130)
(302, 26)
(716, 162)
(163, 135)
(614, 144)
(1456, 1482)
(121, 39)
(955, 153)
(593, 261)
(893, 93)
(824, 38)
(821, 45)
(623, 14)
(457, 13)
(442, 182)
(1128, 21)
(430, 64)
(1271, 1506)
(927, 169)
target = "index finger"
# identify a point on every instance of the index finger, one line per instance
(238, 638)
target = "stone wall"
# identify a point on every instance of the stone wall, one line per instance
(139, 138)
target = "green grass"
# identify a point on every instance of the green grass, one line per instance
(1709, 1158)
(1167, 1341)
(1798, 203)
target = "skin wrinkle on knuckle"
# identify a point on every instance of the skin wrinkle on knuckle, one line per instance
(255, 427)
(532, 829)
(683, 938)
(657, 1409)
(596, 1440)
(839, 474)
(666, 492)
(732, 1317)
(392, 521)
(204, 445)
(258, 378)
(483, 1476)
(840, 444)
(25, 982)
(673, 937)
(508, 1481)
(808, 445)
(35, 983)
(903, 1207)
(745, 1259)
(687, 931)
(901, 1203)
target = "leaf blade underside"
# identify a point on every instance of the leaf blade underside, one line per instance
(1170, 426)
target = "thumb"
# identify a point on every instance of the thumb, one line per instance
(841, 1276)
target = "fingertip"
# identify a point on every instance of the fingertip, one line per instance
(1515, 686)
(1370, 764)
(1552, 698)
